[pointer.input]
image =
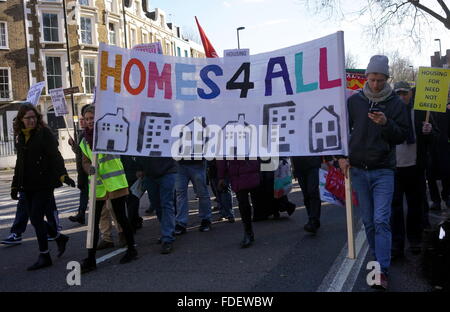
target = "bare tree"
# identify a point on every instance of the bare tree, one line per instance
(350, 61)
(400, 68)
(191, 34)
(387, 15)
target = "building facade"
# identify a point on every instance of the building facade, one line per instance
(38, 49)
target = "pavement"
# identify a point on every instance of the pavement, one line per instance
(283, 259)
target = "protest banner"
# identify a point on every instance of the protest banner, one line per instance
(152, 105)
(356, 78)
(432, 90)
(59, 101)
(35, 93)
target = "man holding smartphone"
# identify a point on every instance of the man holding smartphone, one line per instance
(377, 122)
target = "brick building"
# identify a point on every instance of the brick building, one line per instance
(35, 49)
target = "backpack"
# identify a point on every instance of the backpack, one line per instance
(436, 256)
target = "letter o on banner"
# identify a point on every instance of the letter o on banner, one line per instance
(126, 77)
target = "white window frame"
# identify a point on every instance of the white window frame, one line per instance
(116, 33)
(145, 34)
(136, 38)
(114, 6)
(58, 12)
(6, 47)
(89, 3)
(9, 85)
(93, 17)
(83, 58)
(64, 73)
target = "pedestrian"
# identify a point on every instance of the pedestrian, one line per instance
(194, 171)
(21, 220)
(244, 176)
(39, 170)
(411, 158)
(131, 167)
(82, 177)
(306, 170)
(111, 184)
(224, 198)
(159, 174)
(377, 122)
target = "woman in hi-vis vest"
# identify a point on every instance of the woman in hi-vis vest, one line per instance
(111, 184)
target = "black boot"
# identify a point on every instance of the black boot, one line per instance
(61, 241)
(249, 238)
(77, 218)
(130, 255)
(89, 264)
(44, 260)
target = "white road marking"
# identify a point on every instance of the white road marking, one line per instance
(342, 268)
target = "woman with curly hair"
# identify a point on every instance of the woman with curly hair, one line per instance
(39, 170)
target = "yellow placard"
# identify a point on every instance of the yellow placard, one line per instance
(432, 89)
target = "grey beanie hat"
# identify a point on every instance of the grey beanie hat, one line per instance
(378, 64)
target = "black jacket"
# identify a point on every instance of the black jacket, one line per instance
(424, 141)
(130, 166)
(39, 164)
(372, 146)
(156, 167)
(302, 163)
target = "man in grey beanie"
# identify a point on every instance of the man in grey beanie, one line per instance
(377, 122)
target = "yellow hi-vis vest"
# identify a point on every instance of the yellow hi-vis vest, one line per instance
(110, 174)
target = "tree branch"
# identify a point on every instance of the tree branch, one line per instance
(445, 8)
(429, 11)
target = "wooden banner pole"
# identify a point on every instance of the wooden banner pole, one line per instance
(349, 212)
(427, 117)
(92, 200)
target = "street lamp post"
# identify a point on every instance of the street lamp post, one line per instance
(440, 49)
(413, 74)
(237, 30)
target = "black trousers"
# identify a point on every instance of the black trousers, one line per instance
(118, 205)
(38, 207)
(309, 183)
(133, 209)
(245, 209)
(409, 182)
(265, 204)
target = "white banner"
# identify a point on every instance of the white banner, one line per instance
(59, 101)
(35, 93)
(291, 101)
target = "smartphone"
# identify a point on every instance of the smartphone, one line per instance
(374, 109)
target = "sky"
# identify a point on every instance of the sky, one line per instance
(275, 24)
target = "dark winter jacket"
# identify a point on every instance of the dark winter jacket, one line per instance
(82, 177)
(372, 146)
(243, 174)
(424, 141)
(130, 166)
(156, 167)
(39, 164)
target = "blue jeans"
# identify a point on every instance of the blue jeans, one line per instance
(161, 193)
(196, 174)
(375, 189)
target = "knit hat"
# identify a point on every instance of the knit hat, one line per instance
(378, 64)
(402, 86)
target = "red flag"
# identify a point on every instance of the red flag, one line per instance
(209, 49)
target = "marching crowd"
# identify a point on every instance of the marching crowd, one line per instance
(394, 151)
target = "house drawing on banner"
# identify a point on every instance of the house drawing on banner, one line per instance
(236, 136)
(153, 133)
(283, 115)
(324, 131)
(111, 132)
(192, 138)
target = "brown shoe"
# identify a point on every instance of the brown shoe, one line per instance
(104, 245)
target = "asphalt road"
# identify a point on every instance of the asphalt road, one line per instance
(284, 257)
